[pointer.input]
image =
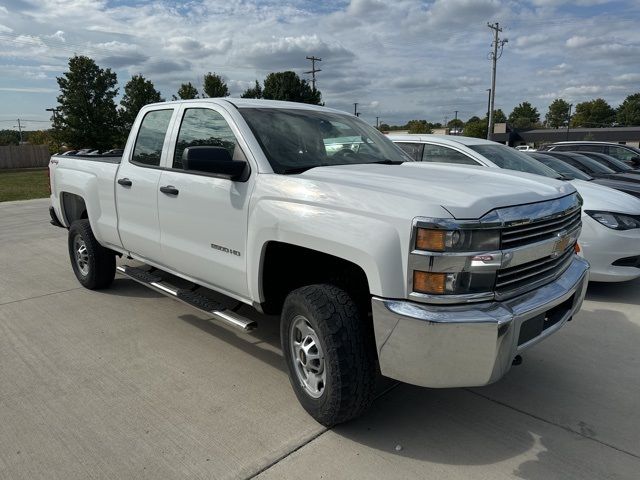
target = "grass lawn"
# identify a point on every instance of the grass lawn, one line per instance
(23, 184)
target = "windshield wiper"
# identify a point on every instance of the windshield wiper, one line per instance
(302, 169)
(386, 161)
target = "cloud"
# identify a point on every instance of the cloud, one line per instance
(28, 89)
(291, 52)
(399, 60)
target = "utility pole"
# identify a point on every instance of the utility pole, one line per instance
(377, 122)
(54, 112)
(355, 109)
(494, 56)
(569, 120)
(313, 70)
(488, 110)
(456, 123)
(19, 127)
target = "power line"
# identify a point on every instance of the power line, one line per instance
(494, 56)
(313, 69)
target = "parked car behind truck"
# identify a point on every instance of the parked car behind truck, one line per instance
(611, 246)
(434, 275)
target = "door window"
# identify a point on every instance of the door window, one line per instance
(153, 129)
(414, 150)
(205, 127)
(621, 153)
(438, 153)
(589, 148)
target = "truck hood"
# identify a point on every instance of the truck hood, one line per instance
(466, 192)
(599, 197)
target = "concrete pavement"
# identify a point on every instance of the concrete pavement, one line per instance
(126, 383)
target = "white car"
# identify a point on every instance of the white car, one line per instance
(610, 238)
(525, 148)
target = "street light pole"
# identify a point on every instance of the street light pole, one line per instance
(569, 120)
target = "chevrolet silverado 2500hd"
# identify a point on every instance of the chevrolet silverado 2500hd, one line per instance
(438, 276)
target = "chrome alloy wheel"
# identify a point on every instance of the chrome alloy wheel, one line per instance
(81, 254)
(307, 356)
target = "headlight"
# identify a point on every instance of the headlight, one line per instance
(616, 221)
(434, 240)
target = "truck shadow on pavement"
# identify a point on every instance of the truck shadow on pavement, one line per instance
(262, 343)
(542, 419)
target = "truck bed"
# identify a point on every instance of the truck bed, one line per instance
(93, 176)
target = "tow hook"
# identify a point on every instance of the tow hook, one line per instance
(517, 360)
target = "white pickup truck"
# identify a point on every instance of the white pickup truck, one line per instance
(434, 275)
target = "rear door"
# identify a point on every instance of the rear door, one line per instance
(137, 185)
(203, 220)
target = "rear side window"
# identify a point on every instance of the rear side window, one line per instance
(204, 127)
(589, 148)
(148, 148)
(438, 153)
(621, 153)
(414, 150)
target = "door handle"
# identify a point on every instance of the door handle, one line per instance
(125, 182)
(169, 190)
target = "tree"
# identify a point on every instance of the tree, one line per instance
(87, 115)
(253, 92)
(186, 92)
(384, 127)
(215, 86)
(476, 127)
(499, 116)
(558, 113)
(138, 92)
(524, 116)
(594, 113)
(288, 86)
(629, 111)
(44, 137)
(9, 137)
(418, 126)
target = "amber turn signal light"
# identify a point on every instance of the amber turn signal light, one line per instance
(431, 240)
(428, 282)
(576, 247)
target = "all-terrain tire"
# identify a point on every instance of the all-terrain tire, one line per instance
(94, 265)
(348, 349)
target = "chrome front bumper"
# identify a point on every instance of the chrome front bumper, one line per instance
(474, 344)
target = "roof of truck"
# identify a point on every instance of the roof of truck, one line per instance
(254, 103)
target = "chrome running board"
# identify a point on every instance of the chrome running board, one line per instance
(189, 297)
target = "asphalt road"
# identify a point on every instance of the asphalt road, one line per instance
(126, 383)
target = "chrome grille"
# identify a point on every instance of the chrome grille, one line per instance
(519, 235)
(533, 273)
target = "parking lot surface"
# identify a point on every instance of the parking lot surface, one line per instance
(125, 383)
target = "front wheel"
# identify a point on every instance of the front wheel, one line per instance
(329, 352)
(94, 265)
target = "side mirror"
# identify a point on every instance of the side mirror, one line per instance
(216, 161)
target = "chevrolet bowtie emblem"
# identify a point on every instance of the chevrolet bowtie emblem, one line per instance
(562, 243)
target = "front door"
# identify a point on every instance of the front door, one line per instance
(203, 219)
(137, 187)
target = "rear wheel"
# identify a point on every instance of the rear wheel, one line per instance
(94, 265)
(329, 352)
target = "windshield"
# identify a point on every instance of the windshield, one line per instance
(564, 169)
(296, 140)
(613, 163)
(592, 165)
(507, 157)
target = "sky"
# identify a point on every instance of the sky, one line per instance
(399, 60)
